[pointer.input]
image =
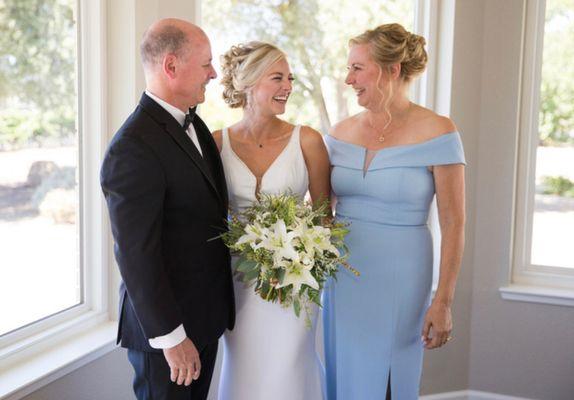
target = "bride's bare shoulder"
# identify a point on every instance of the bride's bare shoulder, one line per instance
(311, 139)
(218, 138)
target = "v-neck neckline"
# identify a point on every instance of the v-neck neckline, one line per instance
(260, 178)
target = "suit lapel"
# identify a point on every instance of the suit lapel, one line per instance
(181, 138)
(211, 155)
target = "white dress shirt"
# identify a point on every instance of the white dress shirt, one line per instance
(179, 117)
(178, 335)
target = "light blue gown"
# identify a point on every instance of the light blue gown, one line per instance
(373, 322)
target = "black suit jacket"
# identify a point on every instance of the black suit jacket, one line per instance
(166, 202)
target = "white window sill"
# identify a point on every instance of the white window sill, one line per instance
(26, 375)
(538, 294)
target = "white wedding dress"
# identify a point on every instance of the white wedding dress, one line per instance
(270, 354)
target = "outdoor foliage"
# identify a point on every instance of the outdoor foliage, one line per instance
(557, 90)
(315, 36)
(558, 185)
(37, 71)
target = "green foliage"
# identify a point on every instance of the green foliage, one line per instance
(37, 70)
(21, 127)
(558, 185)
(557, 90)
(314, 34)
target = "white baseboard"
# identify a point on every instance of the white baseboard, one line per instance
(470, 395)
(461, 395)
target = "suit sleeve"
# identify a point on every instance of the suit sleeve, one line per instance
(134, 186)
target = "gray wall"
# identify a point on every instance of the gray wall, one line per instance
(107, 378)
(446, 369)
(520, 349)
(511, 348)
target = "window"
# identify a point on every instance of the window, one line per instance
(54, 244)
(544, 228)
(38, 162)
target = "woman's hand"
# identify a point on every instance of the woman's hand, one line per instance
(437, 326)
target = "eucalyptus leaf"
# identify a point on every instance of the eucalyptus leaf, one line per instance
(297, 307)
(280, 275)
(265, 286)
(246, 266)
(250, 275)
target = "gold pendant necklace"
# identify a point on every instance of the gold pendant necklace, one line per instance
(381, 137)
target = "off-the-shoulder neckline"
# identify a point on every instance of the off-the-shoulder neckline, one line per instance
(401, 146)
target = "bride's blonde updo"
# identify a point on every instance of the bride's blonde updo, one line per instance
(393, 44)
(242, 66)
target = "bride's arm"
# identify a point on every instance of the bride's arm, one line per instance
(318, 166)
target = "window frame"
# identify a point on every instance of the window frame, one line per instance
(90, 322)
(526, 281)
(435, 22)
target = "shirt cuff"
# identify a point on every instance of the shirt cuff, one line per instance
(170, 340)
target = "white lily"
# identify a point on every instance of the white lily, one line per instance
(280, 242)
(254, 235)
(307, 260)
(323, 240)
(317, 240)
(306, 236)
(298, 274)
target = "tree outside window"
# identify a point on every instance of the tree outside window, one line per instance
(553, 224)
(315, 36)
(39, 257)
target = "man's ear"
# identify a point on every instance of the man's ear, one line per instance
(169, 65)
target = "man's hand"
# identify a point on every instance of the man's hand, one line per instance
(183, 361)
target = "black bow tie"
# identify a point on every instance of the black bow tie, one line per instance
(189, 118)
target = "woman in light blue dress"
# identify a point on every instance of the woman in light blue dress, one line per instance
(388, 162)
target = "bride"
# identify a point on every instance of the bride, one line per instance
(270, 354)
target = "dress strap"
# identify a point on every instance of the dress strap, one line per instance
(295, 140)
(296, 151)
(297, 134)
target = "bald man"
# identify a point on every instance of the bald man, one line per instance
(165, 189)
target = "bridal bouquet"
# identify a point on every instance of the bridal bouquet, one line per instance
(286, 250)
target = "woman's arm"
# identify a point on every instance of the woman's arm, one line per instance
(449, 184)
(318, 166)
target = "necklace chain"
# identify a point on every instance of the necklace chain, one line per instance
(259, 144)
(381, 137)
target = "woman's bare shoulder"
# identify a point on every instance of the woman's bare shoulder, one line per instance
(218, 138)
(311, 139)
(430, 125)
(343, 130)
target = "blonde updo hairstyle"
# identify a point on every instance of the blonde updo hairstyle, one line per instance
(242, 66)
(392, 44)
